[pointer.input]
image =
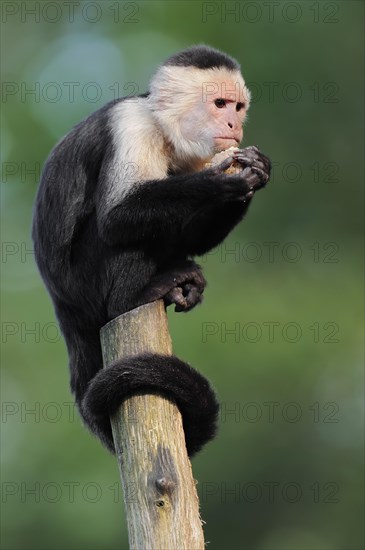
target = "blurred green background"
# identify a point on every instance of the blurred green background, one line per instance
(280, 333)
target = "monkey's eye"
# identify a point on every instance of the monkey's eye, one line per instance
(240, 106)
(220, 103)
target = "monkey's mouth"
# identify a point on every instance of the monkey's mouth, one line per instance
(231, 138)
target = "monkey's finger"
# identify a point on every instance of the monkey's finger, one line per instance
(266, 162)
(248, 152)
(192, 295)
(253, 162)
(251, 150)
(223, 166)
(175, 296)
(198, 280)
(254, 152)
(252, 181)
(251, 158)
(255, 176)
(243, 159)
(192, 275)
(261, 170)
(264, 177)
(246, 182)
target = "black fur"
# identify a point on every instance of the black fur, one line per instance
(203, 57)
(100, 259)
(150, 373)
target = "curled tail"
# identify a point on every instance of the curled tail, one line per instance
(152, 373)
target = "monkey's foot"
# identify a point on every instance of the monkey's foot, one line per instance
(184, 297)
(183, 285)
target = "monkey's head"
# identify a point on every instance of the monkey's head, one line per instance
(200, 100)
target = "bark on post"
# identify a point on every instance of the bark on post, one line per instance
(161, 502)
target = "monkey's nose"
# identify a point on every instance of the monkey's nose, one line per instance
(230, 125)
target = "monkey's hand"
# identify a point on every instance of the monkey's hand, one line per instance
(253, 161)
(182, 285)
(254, 174)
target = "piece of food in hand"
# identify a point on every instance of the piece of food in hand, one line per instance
(235, 168)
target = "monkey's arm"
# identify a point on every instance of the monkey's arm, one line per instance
(193, 212)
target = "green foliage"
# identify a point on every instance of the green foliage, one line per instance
(280, 333)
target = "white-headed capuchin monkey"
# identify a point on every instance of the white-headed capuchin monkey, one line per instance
(125, 202)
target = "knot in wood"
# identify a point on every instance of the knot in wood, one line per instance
(165, 486)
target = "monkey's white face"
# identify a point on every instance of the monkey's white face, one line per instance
(216, 118)
(227, 113)
(201, 111)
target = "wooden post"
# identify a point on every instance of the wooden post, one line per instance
(161, 501)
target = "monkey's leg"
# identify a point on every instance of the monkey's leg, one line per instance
(182, 285)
